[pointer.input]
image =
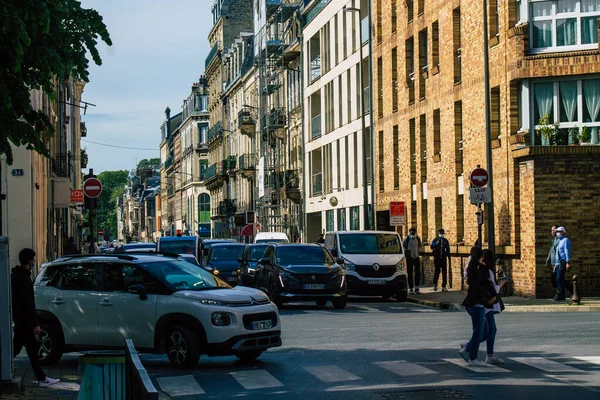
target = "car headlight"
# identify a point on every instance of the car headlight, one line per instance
(401, 266)
(348, 265)
(220, 319)
(208, 302)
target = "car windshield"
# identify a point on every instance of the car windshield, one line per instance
(271, 241)
(226, 252)
(256, 252)
(182, 275)
(178, 246)
(287, 255)
(370, 243)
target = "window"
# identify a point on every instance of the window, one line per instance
(562, 25)
(575, 104)
(347, 162)
(410, 68)
(381, 164)
(396, 158)
(341, 219)
(423, 66)
(364, 20)
(456, 44)
(460, 218)
(379, 22)
(421, 10)
(328, 168)
(314, 52)
(367, 157)
(340, 103)
(495, 112)
(317, 173)
(326, 51)
(437, 140)
(204, 208)
(354, 218)
(435, 45)
(336, 50)
(394, 79)
(414, 157)
(410, 10)
(394, 16)
(354, 30)
(424, 222)
(365, 70)
(119, 277)
(493, 28)
(438, 213)
(202, 134)
(315, 115)
(78, 277)
(458, 137)
(355, 163)
(338, 171)
(349, 94)
(329, 221)
(329, 108)
(379, 87)
(345, 16)
(359, 89)
(423, 145)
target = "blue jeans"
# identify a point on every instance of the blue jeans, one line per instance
(561, 271)
(489, 333)
(478, 319)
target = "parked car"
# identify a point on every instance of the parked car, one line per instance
(301, 272)
(374, 262)
(165, 304)
(252, 253)
(180, 245)
(271, 237)
(223, 261)
(136, 247)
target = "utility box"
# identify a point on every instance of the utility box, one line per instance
(6, 346)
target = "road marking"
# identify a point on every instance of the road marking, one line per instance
(544, 364)
(488, 369)
(332, 373)
(590, 359)
(257, 379)
(404, 368)
(185, 385)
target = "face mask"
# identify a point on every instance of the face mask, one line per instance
(412, 236)
(559, 234)
(441, 235)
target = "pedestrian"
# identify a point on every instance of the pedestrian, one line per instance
(90, 246)
(551, 259)
(26, 328)
(412, 244)
(481, 295)
(71, 247)
(321, 239)
(490, 328)
(562, 263)
(441, 254)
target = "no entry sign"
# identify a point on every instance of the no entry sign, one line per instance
(479, 177)
(92, 188)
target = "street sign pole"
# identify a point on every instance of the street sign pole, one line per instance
(488, 133)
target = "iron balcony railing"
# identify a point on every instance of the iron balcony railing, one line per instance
(215, 132)
(61, 165)
(211, 55)
(210, 172)
(169, 162)
(247, 162)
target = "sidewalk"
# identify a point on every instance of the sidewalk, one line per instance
(452, 299)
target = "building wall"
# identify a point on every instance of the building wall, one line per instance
(431, 187)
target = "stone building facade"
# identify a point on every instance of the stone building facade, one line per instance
(430, 129)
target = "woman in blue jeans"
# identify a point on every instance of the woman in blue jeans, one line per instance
(480, 296)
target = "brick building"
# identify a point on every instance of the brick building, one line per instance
(430, 126)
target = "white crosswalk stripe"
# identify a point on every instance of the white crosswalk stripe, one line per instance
(590, 359)
(257, 379)
(480, 370)
(185, 385)
(545, 364)
(332, 373)
(404, 368)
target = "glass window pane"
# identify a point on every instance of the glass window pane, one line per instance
(542, 34)
(591, 100)
(566, 32)
(590, 5)
(589, 30)
(566, 6)
(542, 9)
(568, 101)
(543, 97)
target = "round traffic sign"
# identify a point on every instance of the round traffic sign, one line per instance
(92, 188)
(479, 177)
(100, 232)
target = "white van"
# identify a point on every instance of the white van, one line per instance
(271, 237)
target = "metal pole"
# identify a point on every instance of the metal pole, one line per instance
(488, 134)
(373, 224)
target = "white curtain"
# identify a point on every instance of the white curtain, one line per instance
(544, 93)
(568, 96)
(566, 32)
(589, 30)
(590, 5)
(591, 93)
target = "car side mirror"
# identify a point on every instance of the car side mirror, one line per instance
(339, 260)
(265, 261)
(334, 252)
(138, 288)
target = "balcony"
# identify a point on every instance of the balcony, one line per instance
(246, 123)
(226, 208)
(211, 55)
(229, 163)
(61, 165)
(215, 133)
(247, 162)
(275, 121)
(169, 162)
(292, 185)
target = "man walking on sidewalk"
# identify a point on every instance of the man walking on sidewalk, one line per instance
(551, 259)
(441, 253)
(25, 315)
(412, 244)
(563, 262)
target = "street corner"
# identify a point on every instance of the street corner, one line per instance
(442, 305)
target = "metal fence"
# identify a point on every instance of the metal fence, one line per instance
(138, 383)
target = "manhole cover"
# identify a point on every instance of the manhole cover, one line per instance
(427, 395)
(65, 389)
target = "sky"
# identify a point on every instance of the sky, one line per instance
(158, 51)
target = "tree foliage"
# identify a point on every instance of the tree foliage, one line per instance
(41, 41)
(153, 163)
(113, 183)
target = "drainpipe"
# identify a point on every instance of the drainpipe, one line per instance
(303, 210)
(373, 203)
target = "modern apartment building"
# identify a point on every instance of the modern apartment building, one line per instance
(430, 126)
(333, 94)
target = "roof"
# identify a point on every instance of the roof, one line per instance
(176, 238)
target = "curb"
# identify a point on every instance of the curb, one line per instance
(13, 387)
(435, 304)
(569, 308)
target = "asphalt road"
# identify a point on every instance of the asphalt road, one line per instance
(390, 351)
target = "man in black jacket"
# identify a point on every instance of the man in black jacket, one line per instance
(25, 315)
(441, 253)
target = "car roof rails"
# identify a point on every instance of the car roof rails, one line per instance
(111, 255)
(154, 253)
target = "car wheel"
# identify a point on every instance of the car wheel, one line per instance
(340, 302)
(274, 294)
(249, 355)
(183, 347)
(321, 302)
(402, 295)
(50, 341)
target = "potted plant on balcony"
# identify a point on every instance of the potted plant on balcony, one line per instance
(585, 136)
(547, 130)
(574, 136)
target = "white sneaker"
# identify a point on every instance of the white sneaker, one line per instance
(411, 291)
(435, 288)
(477, 363)
(48, 382)
(464, 354)
(494, 360)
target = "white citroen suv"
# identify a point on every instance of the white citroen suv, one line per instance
(164, 304)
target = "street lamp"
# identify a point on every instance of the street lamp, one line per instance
(488, 134)
(364, 134)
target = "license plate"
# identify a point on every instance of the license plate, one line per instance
(258, 325)
(232, 279)
(313, 286)
(376, 282)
